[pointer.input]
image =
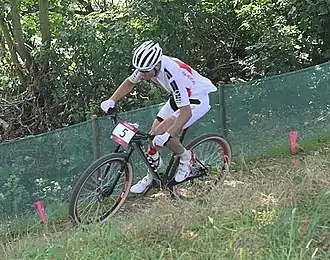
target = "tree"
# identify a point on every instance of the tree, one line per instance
(60, 58)
(20, 107)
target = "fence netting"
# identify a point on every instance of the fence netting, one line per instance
(259, 115)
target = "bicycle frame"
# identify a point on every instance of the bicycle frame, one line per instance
(167, 178)
(121, 156)
(137, 143)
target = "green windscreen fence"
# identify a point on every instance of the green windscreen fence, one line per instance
(258, 117)
(261, 113)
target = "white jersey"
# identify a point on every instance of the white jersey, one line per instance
(179, 79)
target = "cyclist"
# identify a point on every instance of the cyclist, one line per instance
(188, 103)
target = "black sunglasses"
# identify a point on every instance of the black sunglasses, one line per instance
(145, 71)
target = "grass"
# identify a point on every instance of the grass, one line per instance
(27, 224)
(282, 151)
(268, 209)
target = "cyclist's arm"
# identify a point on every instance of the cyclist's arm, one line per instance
(124, 89)
(127, 86)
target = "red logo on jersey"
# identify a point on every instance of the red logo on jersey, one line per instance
(183, 65)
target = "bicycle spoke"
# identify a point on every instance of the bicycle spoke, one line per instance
(210, 156)
(89, 206)
(99, 193)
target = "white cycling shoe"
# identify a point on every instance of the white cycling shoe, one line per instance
(142, 185)
(145, 183)
(186, 162)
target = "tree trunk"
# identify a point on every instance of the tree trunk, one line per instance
(45, 29)
(18, 35)
(44, 21)
(12, 50)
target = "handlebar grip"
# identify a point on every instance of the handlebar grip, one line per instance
(112, 111)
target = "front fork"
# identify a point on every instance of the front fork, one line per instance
(109, 189)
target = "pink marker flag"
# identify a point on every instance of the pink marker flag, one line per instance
(41, 210)
(293, 140)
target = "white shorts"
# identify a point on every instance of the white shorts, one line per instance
(199, 107)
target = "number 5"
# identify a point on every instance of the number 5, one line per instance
(123, 133)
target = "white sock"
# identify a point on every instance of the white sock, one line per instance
(185, 156)
(155, 156)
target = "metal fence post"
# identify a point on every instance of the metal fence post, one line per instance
(222, 104)
(96, 137)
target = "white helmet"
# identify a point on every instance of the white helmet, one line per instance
(146, 56)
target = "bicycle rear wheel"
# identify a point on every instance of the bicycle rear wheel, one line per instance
(213, 154)
(101, 189)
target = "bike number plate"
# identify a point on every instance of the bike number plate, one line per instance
(123, 133)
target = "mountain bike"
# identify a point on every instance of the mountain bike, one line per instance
(104, 186)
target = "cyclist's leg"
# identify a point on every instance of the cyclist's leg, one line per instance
(187, 158)
(165, 118)
(198, 110)
(160, 124)
(168, 114)
(199, 107)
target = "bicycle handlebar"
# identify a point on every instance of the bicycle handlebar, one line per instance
(114, 116)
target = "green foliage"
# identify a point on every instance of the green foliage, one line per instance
(90, 55)
(199, 32)
(283, 35)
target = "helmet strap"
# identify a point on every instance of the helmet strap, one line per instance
(156, 70)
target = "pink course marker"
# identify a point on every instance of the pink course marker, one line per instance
(41, 210)
(293, 140)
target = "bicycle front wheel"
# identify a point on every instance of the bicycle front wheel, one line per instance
(213, 154)
(101, 190)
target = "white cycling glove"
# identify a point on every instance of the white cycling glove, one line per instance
(107, 104)
(161, 140)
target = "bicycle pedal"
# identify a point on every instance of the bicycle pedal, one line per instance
(193, 174)
(197, 169)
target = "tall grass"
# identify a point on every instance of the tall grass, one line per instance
(270, 209)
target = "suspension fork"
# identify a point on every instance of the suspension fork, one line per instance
(100, 176)
(119, 173)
